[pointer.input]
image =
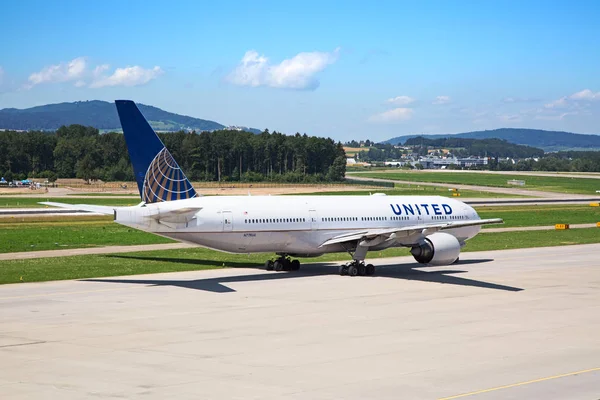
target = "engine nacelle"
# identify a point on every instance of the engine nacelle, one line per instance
(438, 249)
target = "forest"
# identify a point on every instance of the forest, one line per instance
(78, 151)
(573, 161)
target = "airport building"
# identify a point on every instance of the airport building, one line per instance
(442, 163)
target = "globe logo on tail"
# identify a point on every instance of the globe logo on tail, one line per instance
(165, 181)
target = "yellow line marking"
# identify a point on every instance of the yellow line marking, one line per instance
(521, 383)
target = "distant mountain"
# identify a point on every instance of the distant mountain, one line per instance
(99, 114)
(546, 140)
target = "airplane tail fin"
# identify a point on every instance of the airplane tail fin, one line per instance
(157, 174)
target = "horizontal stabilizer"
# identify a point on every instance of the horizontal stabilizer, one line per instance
(82, 207)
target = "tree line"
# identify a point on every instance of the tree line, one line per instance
(77, 151)
(571, 161)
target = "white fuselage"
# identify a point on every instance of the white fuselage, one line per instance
(295, 225)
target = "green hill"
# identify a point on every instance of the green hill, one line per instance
(99, 114)
(546, 140)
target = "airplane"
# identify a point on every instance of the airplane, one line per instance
(435, 228)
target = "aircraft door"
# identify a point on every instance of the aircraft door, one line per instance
(227, 221)
(314, 220)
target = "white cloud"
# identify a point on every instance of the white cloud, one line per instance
(298, 72)
(520, 100)
(400, 100)
(395, 115)
(73, 70)
(82, 75)
(100, 69)
(128, 76)
(555, 117)
(576, 100)
(585, 94)
(560, 103)
(441, 100)
(510, 117)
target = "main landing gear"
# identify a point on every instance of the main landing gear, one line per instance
(283, 263)
(357, 267)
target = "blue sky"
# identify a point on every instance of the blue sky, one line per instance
(344, 69)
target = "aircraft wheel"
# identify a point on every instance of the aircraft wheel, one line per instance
(370, 270)
(352, 270)
(269, 265)
(362, 270)
(278, 265)
(343, 270)
(295, 265)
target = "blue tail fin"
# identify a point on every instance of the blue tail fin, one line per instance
(157, 174)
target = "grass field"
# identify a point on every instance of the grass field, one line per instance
(37, 236)
(409, 190)
(544, 183)
(33, 202)
(514, 216)
(351, 151)
(77, 267)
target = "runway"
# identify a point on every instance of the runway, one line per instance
(498, 325)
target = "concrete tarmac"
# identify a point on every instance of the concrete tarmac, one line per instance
(498, 325)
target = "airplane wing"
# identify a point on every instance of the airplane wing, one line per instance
(376, 236)
(82, 207)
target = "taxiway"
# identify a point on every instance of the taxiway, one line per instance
(497, 325)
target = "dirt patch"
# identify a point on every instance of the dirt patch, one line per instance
(204, 188)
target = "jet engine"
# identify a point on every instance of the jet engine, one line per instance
(437, 249)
